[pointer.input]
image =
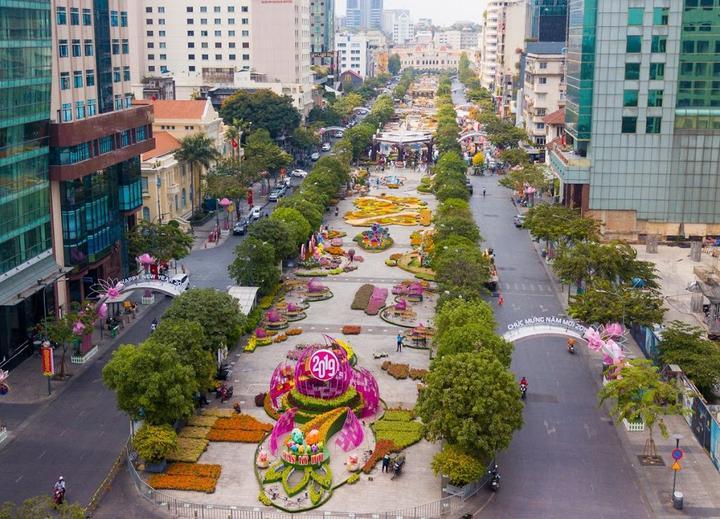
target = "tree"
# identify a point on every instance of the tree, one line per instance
(640, 395)
(325, 116)
(312, 212)
(461, 467)
(162, 241)
(345, 105)
(276, 234)
(522, 176)
(72, 326)
(471, 400)
(360, 139)
(198, 151)
(153, 443)
(264, 109)
(453, 189)
(254, 265)
(41, 507)
(478, 159)
(188, 340)
(263, 155)
(234, 133)
(505, 135)
(698, 357)
(151, 382)
(553, 223)
(304, 139)
(217, 313)
(394, 64)
(604, 302)
(514, 157)
(455, 225)
(295, 222)
(450, 163)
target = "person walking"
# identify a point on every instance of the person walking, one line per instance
(484, 191)
(386, 463)
(399, 342)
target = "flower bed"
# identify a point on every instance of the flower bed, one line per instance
(401, 433)
(398, 415)
(418, 374)
(335, 250)
(351, 329)
(221, 413)
(202, 420)
(202, 470)
(280, 338)
(243, 422)
(251, 345)
(293, 331)
(235, 435)
(182, 482)
(308, 403)
(188, 449)
(194, 432)
(239, 428)
(362, 297)
(382, 447)
(377, 301)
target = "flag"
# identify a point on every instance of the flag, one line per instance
(234, 143)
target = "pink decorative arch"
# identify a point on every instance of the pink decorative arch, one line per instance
(351, 435)
(367, 386)
(284, 425)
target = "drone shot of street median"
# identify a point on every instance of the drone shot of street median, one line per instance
(377, 259)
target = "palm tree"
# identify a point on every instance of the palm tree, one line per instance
(234, 132)
(196, 150)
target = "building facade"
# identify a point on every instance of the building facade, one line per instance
(364, 14)
(548, 20)
(352, 53)
(511, 24)
(397, 24)
(488, 45)
(430, 58)
(322, 32)
(28, 271)
(96, 138)
(643, 117)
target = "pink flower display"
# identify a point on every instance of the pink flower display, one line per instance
(78, 328)
(146, 259)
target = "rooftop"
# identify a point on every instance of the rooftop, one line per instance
(556, 117)
(164, 144)
(174, 109)
(545, 47)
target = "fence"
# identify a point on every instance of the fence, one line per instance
(443, 508)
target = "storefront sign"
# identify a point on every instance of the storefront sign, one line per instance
(324, 365)
(563, 322)
(48, 362)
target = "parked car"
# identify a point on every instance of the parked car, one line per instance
(287, 182)
(240, 228)
(326, 146)
(181, 280)
(255, 212)
(469, 185)
(315, 156)
(274, 195)
(299, 173)
(519, 220)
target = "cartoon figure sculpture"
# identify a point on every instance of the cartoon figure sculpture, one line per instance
(262, 460)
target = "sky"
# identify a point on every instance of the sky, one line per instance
(442, 12)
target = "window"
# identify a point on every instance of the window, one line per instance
(91, 107)
(661, 15)
(218, 45)
(151, 57)
(539, 126)
(245, 21)
(203, 21)
(657, 70)
(149, 34)
(161, 34)
(116, 74)
(76, 49)
(216, 9)
(703, 46)
(63, 48)
(191, 33)
(245, 34)
(189, 9)
(79, 110)
(542, 64)
(191, 57)
(114, 19)
(232, 57)
(90, 77)
(633, 43)
(630, 98)
(191, 68)
(231, 44)
(61, 16)
(116, 47)
(163, 69)
(125, 47)
(67, 112)
(148, 9)
(231, 9)
(203, 34)
(541, 80)
(652, 124)
(218, 57)
(77, 79)
(246, 57)
(204, 56)
(144, 186)
(126, 73)
(106, 144)
(64, 80)
(629, 124)
(124, 18)
(87, 17)
(244, 9)
(161, 21)
(128, 100)
(150, 45)
(118, 106)
(163, 57)
(203, 9)
(632, 70)
(163, 45)
(217, 21)
(635, 16)
(218, 34)
(190, 21)
(191, 45)
(74, 16)
(88, 44)
(658, 43)
(161, 9)
(655, 98)
(146, 210)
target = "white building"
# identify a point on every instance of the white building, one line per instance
(450, 38)
(231, 43)
(423, 37)
(353, 52)
(488, 44)
(511, 29)
(398, 25)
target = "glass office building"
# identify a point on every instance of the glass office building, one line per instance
(27, 267)
(548, 20)
(643, 116)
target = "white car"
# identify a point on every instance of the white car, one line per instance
(326, 146)
(315, 156)
(299, 173)
(256, 212)
(181, 280)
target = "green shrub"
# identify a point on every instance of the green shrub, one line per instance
(154, 442)
(401, 433)
(296, 489)
(324, 479)
(319, 405)
(460, 467)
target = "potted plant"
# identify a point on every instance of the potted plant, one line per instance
(153, 443)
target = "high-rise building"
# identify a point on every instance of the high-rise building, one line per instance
(548, 20)
(96, 138)
(398, 25)
(488, 46)
(510, 38)
(322, 31)
(353, 53)
(643, 117)
(364, 14)
(28, 270)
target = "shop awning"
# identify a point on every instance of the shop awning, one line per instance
(26, 282)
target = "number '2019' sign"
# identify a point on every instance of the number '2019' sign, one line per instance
(324, 365)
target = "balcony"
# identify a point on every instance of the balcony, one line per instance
(569, 166)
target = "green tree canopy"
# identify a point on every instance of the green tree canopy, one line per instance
(461, 467)
(454, 207)
(304, 139)
(41, 507)
(228, 178)
(262, 154)
(452, 190)
(360, 139)
(698, 357)
(345, 105)
(471, 400)
(162, 241)
(264, 109)
(527, 175)
(312, 212)
(275, 233)
(555, 223)
(604, 302)
(514, 157)
(151, 382)
(456, 225)
(254, 265)
(394, 64)
(325, 116)
(217, 313)
(296, 223)
(188, 340)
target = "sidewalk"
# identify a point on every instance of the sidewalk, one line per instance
(698, 478)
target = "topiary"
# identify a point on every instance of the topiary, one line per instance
(154, 442)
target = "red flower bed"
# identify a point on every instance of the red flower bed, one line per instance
(351, 329)
(235, 435)
(201, 470)
(182, 482)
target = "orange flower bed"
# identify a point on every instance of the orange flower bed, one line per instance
(293, 331)
(280, 338)
(242, 422)
(335, 251)
(382, 447)
(351, 329)
(181, 482)
(235, 435)
(201, 470)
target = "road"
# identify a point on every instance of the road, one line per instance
(567, 460)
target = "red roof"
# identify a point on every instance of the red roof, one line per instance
(164, 144)
(174, 109)
(557, 117)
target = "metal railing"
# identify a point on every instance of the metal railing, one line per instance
(443, 508)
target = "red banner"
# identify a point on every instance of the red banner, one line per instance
(250, 197)
(48, 362)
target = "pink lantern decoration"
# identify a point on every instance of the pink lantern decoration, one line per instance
(284, 425)
(352, 434)
(225, 202)
(103, 311)
(146, 260)
(614, 329)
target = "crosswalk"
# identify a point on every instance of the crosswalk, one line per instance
(538, 289)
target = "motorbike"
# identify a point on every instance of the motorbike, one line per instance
(523, 391)
(224, 393)
(571, 348)
(397, 465)
(58, 496)
(494, 478)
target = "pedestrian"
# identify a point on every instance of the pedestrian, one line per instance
(399, 342)
(500, 299)
(337, 211)
(484, 191)
(386, 463)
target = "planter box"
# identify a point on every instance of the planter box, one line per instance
(82, 359)
(148, 300)
(634, 426)
(156, 468)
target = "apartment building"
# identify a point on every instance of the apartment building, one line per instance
(232, 44)
(642, 151)
(548, 20)
(28, 270)
(488, 44)
(398, 25)
(96, 139)
(511, 29)
(353, 53)
(322, 32)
